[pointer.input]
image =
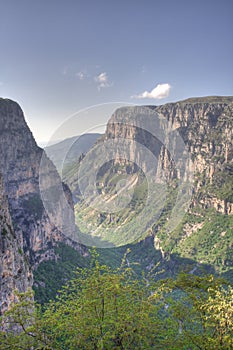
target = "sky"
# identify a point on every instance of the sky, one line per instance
(58, 57)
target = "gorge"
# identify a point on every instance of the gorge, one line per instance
(31, 237)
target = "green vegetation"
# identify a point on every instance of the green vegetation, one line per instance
(203, 240)
(102, 308)
(208, 99)
(4, 232)
(204, 236)
(222, 183)
(52, 274)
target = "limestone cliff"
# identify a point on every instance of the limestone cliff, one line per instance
(28, 229)
(207, 129)
(15, 273)
(204, 124)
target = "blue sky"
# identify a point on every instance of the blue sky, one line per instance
(57, 57)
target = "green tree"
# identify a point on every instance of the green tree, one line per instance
(105, 309)
(20, 327)
(203, 307)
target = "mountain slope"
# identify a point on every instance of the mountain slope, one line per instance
(204, 233)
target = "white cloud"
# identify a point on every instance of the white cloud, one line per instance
(102, 80)
(159, 92)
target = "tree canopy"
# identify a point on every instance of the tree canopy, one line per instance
(106, 309)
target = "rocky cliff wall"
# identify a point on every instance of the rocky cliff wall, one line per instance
(20, 167)
(204, 124)
(15, 272)
(29, 228)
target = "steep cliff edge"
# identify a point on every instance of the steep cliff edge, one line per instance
(206, 127)
(28, 229)
(15, 273)
(20, 168)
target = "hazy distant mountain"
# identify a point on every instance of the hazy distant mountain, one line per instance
(69, 150)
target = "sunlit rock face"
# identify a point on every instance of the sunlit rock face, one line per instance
(206, 127)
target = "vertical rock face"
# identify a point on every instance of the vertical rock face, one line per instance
(204, 124)
(20, 167)
(26, 227)
(14, 267)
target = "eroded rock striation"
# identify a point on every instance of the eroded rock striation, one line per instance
(206, 127)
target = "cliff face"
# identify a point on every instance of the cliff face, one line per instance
(205, 125)
(20, 167)
(14, 267)
(27, 227)
(207, 131)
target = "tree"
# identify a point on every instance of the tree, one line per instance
(21, 325)
(203, 307)
(106, 309)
